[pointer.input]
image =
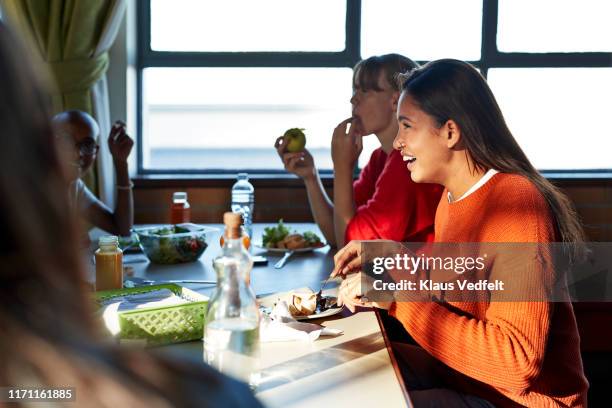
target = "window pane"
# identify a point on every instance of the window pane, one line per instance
(229, 118)
(558, 115)
(422, 30)
(554, 26)
(247, 25)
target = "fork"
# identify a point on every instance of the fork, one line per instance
(283, 260)
(320, 292)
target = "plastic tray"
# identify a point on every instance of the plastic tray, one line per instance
(160, 325)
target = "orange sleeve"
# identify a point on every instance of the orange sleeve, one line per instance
(505, 350)
(504, 347)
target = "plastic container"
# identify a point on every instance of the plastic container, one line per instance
(161, 325)
(180, 211)
(173, 244)
(243, 201)
(109, 264)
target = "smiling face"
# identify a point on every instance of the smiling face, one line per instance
(374, 110)
(425, 147)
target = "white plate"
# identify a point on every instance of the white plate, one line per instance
(284, 250)
(328, 312)
(269, 301)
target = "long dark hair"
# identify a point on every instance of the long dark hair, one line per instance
(49, 337)
(451, 89)
(38, 242)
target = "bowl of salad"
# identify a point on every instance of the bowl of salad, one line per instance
(173, 244)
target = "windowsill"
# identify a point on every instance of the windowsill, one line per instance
(271, 180)
(223, 180)
(578, 175)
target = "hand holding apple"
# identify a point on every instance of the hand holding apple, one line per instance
(299, 163)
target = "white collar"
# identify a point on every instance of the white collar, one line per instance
(487, 176)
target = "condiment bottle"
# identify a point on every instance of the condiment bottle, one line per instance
(109, 264)
(231, 334)
(180, 211)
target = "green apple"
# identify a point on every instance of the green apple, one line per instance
(295, 139)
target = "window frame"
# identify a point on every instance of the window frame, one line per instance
(490, 57)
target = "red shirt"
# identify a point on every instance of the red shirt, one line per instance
(390, 205)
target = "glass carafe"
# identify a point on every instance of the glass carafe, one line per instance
(231, 334)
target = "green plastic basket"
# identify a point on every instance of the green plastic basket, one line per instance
(160, 325)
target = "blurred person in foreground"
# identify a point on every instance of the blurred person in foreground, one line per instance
(49, 337)
(79, 133)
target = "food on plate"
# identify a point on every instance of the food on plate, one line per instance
(280, 237)
(295, 140)
(302, 303)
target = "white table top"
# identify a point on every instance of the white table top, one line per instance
(353, 369)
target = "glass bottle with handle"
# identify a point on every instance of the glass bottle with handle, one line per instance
(231, 334)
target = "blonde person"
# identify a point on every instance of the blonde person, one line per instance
(475, 354)
(383, 202)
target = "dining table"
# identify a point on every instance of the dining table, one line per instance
(356, 368)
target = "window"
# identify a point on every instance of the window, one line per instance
(227, 118)
(554, 26)
(422, 30)
(247, 25)
(560, 123)
(219, 81)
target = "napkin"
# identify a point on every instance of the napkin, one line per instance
(281, 326)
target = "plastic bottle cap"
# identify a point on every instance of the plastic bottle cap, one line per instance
(243, 176)
(108, 240)
(180, 195)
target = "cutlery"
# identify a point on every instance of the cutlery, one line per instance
(319, 299)
(283, 260)
(139, 281)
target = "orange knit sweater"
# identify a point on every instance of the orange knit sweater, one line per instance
(510, 353)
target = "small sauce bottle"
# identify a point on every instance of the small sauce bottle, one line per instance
(180, 211)
(109, 264)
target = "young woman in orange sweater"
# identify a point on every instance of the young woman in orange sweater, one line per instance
(475, 354)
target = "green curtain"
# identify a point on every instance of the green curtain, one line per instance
(66, 33)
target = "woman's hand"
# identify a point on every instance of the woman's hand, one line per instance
(346, 145)
(350, 294)
(301, 163)
(347, 259)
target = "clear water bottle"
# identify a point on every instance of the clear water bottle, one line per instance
(231, 334)
(243, 201)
